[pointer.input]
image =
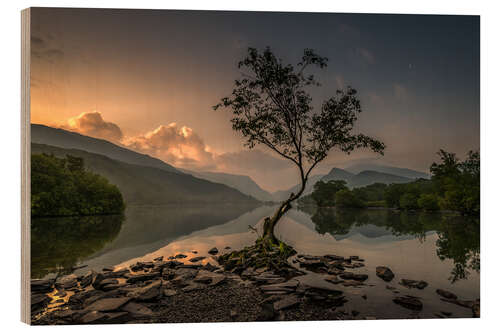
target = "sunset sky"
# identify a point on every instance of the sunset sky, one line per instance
(148, 80)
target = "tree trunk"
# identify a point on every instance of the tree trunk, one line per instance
(270, 223)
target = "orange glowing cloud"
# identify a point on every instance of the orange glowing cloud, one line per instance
(178, 145)
(92, 124)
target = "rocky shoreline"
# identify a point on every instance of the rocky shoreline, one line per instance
(245, 286)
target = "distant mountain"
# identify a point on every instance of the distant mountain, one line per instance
(361, 179)
(402, 172)
(145, 185)
(244, 184)
(338, 174)
(285, 194)
(65, 139)
(364, 178)
(370, 177)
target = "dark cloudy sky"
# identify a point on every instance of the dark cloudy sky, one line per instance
(148, 79)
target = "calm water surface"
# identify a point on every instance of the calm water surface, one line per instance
(441, 249)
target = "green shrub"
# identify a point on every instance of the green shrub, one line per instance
(347, 199)
(428, 202)
(408, 201)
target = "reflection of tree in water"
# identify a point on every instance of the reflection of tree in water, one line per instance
(459, 240)
(458, 236)
(58, 244)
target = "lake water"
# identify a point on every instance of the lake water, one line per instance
(441, 249)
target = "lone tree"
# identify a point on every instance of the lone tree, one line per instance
(271, 106)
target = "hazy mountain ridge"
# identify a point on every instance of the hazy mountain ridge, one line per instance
(364, 178)
(71, 140)
(143, 185)
(402, 172)
(242, 183)
(285, 194)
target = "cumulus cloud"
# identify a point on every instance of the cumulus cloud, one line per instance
(92, 124)
(174, 144)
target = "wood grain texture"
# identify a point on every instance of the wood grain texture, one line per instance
(25, 165)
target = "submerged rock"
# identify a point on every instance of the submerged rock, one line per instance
(213, 251)
(413, 283)
(446, 294)
(196, 259)
(353, 276)
(384, 273)
(409, 302)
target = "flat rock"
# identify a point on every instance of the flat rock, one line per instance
(384, 273)
(409, 302)
(147, 293)
(217, 280)
(41, 285)
(39, 301)
(333, 257)
(143, 277)
(196, 259)
(67, 282)
(352, 276)
(333, 279)
(286, 303)
(169, 292)
(352, 283)
(87, 279)
(193, 286)
(96, 317)
(93, 317)
(137, 310)
(413, 283)
(290, 284)
(107, 304)
(446, 294)
(462, 303)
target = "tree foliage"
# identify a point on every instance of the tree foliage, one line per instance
(324, 193)
(347, 199)
(62, 187)
(271, 105)
(458, 183)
